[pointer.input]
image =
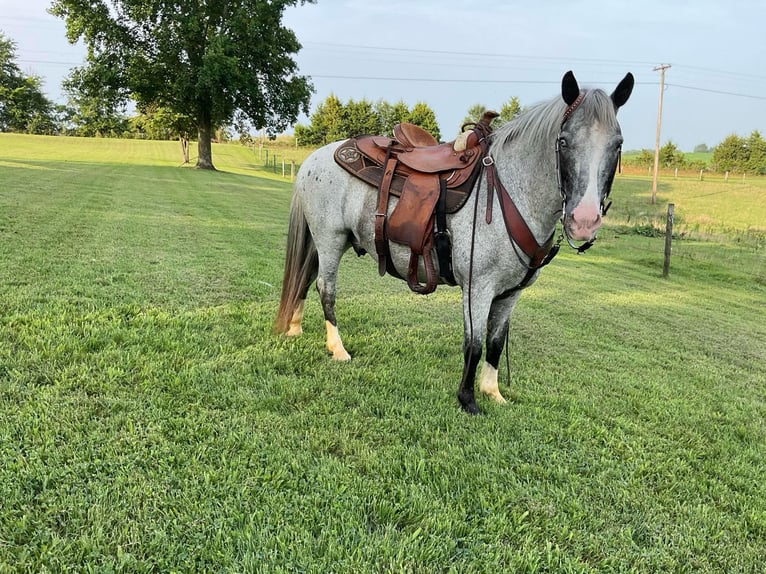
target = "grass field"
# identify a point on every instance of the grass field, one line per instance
(150, 421)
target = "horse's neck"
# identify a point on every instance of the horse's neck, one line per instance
(531, 180)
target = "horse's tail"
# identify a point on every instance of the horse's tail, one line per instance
(301, 266)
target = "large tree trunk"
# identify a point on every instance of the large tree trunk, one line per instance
(204, 149)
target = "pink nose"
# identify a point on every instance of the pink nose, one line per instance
(584, 222)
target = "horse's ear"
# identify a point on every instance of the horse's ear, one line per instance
(569, 88)
(622, 91)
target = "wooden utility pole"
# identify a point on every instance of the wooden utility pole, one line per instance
(661, 69)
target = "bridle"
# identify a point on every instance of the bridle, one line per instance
(603, 208)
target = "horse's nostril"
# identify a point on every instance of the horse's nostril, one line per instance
(586, 219)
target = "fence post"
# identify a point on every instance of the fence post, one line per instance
(292, 169)
(668, 239)
(701, 174)
(283, 167)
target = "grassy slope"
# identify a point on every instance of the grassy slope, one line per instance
(149, 421)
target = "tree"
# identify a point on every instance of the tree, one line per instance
(326, 124)
(507, 112)
(756, 148)
(360, 118)
(701, 148)
(422, 115)
(474, 114)
(23, 106)
(158, 123)
(95, 111)
(333, 121)
(391, 114)
(207, 60)
(671, 156)
(731, 154)
(510, 109)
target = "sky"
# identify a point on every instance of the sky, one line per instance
(455, 54)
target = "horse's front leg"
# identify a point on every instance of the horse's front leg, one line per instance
(497, 331)
(475, 310)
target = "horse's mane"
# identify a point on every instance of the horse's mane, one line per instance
(540, 124)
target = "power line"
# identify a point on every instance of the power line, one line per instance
(479, 54)
(531, 82)
(723, 92)
(466, 80)
(567, 58)
(49, 62)
(449, 80)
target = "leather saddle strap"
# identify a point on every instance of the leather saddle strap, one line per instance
(381, 241)
(442, 238)
(428, 264)
(518, 230)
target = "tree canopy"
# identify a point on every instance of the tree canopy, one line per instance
(213, 61)
(23, 106)
(508, 111)
(333, 120)
(740, 154)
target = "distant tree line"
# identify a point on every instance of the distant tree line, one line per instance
(734, 154)
(669, 157)
(334, 120)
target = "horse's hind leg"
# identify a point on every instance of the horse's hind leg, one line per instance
(329, 259)
(497, 331)
(295, 327)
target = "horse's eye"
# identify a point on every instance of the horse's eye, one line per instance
(562, 142)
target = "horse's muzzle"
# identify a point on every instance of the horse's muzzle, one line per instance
(583, 223)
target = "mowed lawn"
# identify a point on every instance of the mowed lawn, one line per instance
(151, 422)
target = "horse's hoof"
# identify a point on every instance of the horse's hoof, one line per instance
(340, 355)
(469, 405)
(294, 331)
(471, 408)
(497, 397)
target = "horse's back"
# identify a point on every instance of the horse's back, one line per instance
(333, 200)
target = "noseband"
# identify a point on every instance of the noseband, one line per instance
(603, 208)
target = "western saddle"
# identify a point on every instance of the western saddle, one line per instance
(430, 179)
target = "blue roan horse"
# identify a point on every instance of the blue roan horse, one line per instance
(554, 162)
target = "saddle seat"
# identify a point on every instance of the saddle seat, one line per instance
(412, 136)
(430, 180)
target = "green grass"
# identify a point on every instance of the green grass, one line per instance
(150, 421)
